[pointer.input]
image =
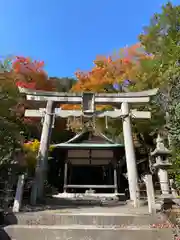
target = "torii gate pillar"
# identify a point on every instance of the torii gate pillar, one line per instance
(42, 158)
(130, 155)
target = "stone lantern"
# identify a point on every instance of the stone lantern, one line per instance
(161, 154)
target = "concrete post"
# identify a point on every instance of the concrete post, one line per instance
(65, 177)
(42, 158)
(19, 193)
(115, 180)
(173, 190)
(150, 193)
(130, 155)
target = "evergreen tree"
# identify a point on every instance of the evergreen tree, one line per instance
(162, 39)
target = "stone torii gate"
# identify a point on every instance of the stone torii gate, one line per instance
(88, 101)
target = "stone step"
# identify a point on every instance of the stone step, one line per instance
(83, 199)
(49, 218)
(78, 232)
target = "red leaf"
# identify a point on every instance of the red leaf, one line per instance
(31, 85)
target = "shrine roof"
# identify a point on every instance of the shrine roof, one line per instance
(89, 139)
(88, 145)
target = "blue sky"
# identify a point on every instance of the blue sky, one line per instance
(69, 34)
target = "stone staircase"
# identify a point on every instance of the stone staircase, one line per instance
(88, 223)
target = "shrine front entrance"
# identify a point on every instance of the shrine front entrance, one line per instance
(90, 175)
(91, 163)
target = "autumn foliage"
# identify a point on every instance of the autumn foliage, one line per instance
(106, 72)
(31, 74)
(110, 70)
(27, 73)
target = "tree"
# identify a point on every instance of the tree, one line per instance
(63, 84)
(108, 71)
(30, 74)
(124, 72)
(20, 71)
(161, 38)
(10, 133)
